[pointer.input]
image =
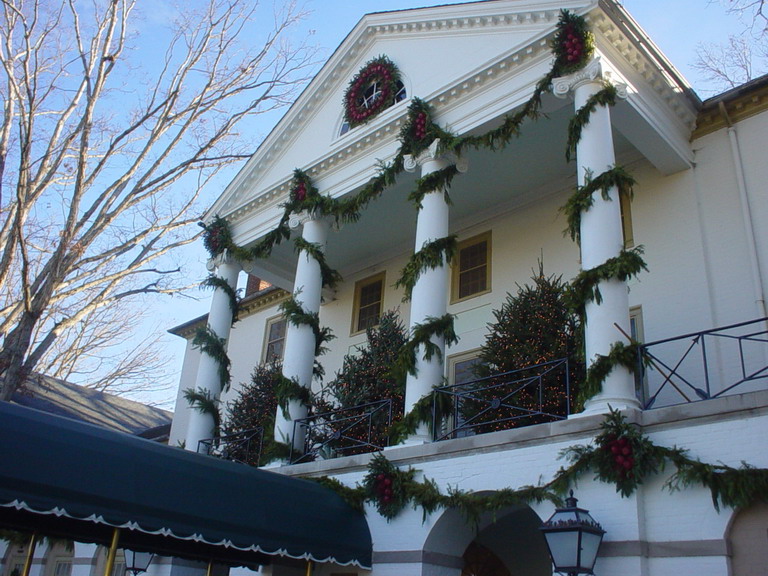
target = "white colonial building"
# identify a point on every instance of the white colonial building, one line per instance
(700, 212)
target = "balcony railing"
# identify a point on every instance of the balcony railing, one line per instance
(355, 430)
(703, 365)
(244, 447)
(532, 395)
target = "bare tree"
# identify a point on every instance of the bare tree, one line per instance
(744, 56)
(105, 150)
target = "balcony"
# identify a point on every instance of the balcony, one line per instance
(694, 367)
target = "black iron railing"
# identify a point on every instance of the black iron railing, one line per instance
(532, 395)
(244, 447)
(343, 432)
(703, 365)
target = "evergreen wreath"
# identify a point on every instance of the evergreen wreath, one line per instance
(217, 236)
(380, 75)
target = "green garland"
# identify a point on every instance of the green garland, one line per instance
(420, 413)
(583, 199)
(209, 343)
(437, 181)
(288, 389)
(217, 282)
(620, 355)
(421, 336)
(330, 277)
(296, 315)
(202, 401)
(585, 287)
(573, 46)
(605, 97)
(620, 455)
(432, 254)
(217, 236)
(419, 130)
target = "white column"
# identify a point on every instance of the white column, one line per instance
(200, 425)
(299, 356)
(429, 297)
(601, 239)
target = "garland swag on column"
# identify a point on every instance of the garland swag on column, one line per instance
(431, 255)
(297, 316)
(201, 401)
(233, 295)
(421, 336)
(209, 343)
(572, 47)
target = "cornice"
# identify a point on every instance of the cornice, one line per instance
(661, 82)
(733, 106)
(249, 306)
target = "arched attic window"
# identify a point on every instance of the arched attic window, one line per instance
(370, 95)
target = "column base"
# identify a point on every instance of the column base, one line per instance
(602, 404)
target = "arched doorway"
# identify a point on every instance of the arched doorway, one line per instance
(508, 543)
(748, 541)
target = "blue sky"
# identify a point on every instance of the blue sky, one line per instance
(676, 26)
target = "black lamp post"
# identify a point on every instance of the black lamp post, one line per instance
(137, 562)
(573, 538)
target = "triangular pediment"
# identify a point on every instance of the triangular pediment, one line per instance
(473, 62)
(441, 53)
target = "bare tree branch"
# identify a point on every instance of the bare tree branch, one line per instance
(108, 173)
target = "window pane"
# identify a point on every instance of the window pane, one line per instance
(275, 340)
(472, 269)
(369, 305)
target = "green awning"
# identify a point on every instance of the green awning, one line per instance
(64, 478)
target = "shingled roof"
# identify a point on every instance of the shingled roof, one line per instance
(112, 412)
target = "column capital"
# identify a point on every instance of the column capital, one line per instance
(592, 73)
(410, 162)
(298, 220)
(222, 259)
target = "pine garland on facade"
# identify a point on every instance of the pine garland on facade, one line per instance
(217, 282)
(620, 455)
(421, 335)
(432, 255)
(582, 199)
(202, 401)
(572, 46)
(209, 343)
(330, 277)
(605, 97)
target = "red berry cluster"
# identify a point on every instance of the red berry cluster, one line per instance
(300, 192)
(215, 241)
(573, 45)
(623, 458)
(420, 126)
(383, 488)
